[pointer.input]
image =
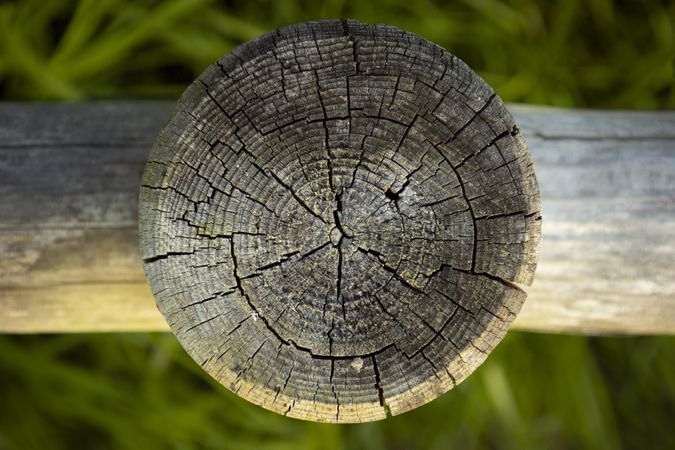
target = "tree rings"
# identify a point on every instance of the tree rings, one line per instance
(334, 220)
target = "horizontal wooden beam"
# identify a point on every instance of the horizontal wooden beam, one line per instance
(70, 174)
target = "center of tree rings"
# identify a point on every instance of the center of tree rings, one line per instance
(333, 221)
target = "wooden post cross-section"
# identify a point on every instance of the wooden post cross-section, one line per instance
(70, 175)
(334, 219)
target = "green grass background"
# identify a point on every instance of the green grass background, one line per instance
(141, 391)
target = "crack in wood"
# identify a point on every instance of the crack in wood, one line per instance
(330, 182)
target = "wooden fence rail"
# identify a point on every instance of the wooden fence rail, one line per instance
(70, 175)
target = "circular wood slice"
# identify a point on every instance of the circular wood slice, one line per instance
(334, 219)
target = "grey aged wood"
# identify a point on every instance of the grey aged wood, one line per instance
(69, 181)
(607, 260)
(70, 174)
(333, 220)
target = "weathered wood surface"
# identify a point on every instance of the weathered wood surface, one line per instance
(333, 221)
(70, 175)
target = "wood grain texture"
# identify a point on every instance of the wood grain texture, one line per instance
(69, 181)
(333, 220)
(70, 175)
(607, 261)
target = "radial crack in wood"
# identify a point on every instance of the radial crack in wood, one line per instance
(334, 220)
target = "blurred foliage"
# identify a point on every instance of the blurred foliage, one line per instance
(141, 391)
(566, 52)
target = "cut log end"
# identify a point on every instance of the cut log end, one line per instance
(335, 219)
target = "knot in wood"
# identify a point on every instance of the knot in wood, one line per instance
(333, 220)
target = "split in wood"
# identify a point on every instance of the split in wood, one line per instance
(334, 218)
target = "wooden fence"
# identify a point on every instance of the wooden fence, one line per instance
(70, 175)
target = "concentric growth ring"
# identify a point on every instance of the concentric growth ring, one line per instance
(333, 220)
